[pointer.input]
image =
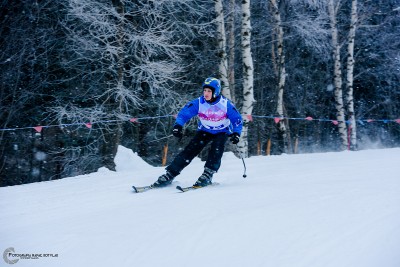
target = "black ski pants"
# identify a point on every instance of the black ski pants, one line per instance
(195, 146)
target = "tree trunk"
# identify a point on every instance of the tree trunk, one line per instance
(248, 77)
(112, 134)
(223, 63)
(350, 75)
(337, 75)
(231, 47)
(281, 72)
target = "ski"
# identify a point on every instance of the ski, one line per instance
(141, 189)
(193, 187)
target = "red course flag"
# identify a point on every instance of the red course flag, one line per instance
(38, 128)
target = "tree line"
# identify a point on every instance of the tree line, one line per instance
(65, 63)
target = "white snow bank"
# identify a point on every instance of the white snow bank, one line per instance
(127, 160)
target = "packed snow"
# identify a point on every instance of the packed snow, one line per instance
(310, 210)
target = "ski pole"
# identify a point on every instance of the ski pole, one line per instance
(244, 164)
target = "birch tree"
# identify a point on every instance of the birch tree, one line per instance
(350, 75)
(338, 82)
(248, 77)
(223, 64)
(231, 49)
(280, 68)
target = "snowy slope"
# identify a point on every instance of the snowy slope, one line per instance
(314, 210)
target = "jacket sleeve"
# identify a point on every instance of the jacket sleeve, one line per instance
(190, 110)
(235, 118)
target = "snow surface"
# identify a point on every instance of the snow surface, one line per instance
(330, 209)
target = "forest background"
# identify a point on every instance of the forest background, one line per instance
(79, 78)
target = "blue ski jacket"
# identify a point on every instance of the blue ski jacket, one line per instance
(215, 117)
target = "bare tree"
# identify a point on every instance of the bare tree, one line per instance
(133, 57)
(30, 43)
(221, 35)
(248, 76)
(340, 108)
(280, 69)
(129, 45)
(350, 75)
(231, 48)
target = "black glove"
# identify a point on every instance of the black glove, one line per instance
(234, 138)
(177, 131)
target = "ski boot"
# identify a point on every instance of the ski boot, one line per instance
(206, 178)
(164, 180)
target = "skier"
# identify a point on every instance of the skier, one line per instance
(219, 119)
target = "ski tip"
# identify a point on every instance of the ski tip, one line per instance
(134, 189)
(180, 188)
